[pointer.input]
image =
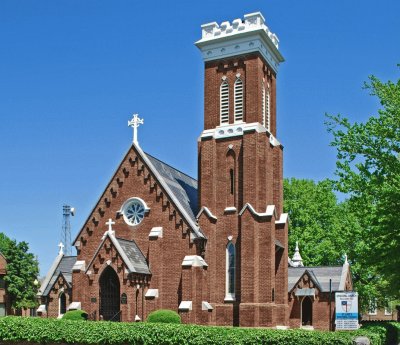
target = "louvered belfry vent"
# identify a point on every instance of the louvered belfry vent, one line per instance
(224, 102)
(238, 100)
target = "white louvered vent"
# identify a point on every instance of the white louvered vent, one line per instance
(263, 103)
(266, 107)
(224, 102)
(238, 100)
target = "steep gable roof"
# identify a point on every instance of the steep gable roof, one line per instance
(130, 253)
(180, 188)
(320, 275)
(64, 267)
(183, 186)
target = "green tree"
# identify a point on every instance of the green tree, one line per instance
(368, 170)
(326, 230)
(22, 271)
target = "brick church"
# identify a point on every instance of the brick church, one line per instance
(215, 250)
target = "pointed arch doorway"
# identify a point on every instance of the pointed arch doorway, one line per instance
(306, 311)
(109, 295)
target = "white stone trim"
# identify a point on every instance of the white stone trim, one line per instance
(207, 212)
(283, 219)
(269, 212)
(206, 306)
(193, 261)
(343, 277)
(151, 293)
(230, 209)
(41, 309)
(156, 232)
(229, 39)
(237, 129)
(75, 306)
(79, 265)
(230, 297)
(126, 204)
(185, 306)
(125, 259)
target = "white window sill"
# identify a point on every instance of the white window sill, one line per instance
(229, 298)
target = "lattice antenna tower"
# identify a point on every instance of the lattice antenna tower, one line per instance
(68, 211)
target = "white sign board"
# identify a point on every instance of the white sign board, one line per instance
(346, 311)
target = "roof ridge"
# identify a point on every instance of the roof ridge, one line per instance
(180, 171)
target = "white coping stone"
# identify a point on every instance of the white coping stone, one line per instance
(75, 306)
(237, 129)
(41, 309)
(240, 37)
(79, 265)
(156, 232)
(193, 261)
(151, 293)
(282, 327)
(230, 209)
(207, 211)
(206, 306)
(185, 305)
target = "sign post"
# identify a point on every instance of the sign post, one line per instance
(346, 307)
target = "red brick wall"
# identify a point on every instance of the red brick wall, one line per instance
(164, 255)
(60, 286)
(253, 69)
(258, 181)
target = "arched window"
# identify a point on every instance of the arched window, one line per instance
(224, 102)
(238, 100)
(232, 176)
(266, 106)
(62, 304)
(230, 271)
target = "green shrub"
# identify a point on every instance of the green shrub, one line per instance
(75, 315)
(45, 331)
(164, 316)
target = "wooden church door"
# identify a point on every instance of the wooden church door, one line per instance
(109, 295)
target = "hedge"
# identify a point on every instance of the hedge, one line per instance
(164, 316)
(18, 329)
(75, 315)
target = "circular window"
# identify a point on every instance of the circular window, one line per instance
(134, 211)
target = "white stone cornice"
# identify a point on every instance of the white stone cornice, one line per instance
(207, 212)
(283, 219)
(238, 129)
(240, 37)
(269, 212)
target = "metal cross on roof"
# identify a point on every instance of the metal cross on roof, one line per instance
(61, 246)
(134, 123)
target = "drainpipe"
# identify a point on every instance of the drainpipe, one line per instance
(330, 304)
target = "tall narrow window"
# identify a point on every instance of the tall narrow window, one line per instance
(224, 102)
(62, 301)
(238, 100)
(230, 271)
(232, 176)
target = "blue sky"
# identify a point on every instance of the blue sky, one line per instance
(73, 72)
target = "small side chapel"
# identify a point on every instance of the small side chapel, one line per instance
(215, 250)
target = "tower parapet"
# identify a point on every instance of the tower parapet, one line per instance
(240, 37)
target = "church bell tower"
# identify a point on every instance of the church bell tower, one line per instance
(240, 175)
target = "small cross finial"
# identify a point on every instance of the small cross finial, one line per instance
(134, 123)
(110, 223)
(61, 246)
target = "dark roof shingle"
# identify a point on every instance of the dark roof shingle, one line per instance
(65, 267)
